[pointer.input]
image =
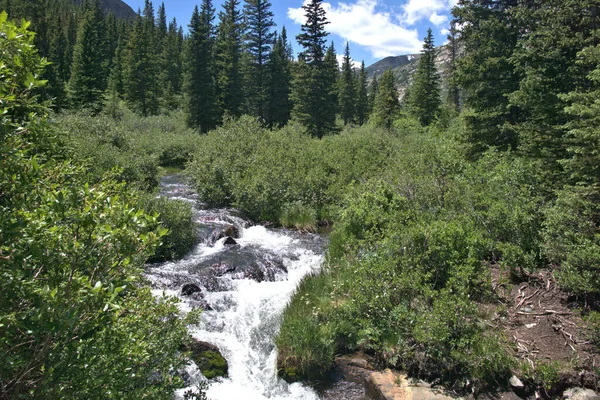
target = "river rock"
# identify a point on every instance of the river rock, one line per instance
(389, 385)
(229, 241)
(230, 231)
(221, 269)
(208, 358)
(354, 367)
(580, 394)
(189, 289)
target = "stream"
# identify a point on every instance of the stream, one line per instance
(244, 289)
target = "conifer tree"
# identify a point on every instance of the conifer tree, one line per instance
(348, 89)
(424, 101)
(362, 97)
(329, 78)
(387, 105)
(88, 70)
(453, 88)
(373, 90)
(172, 70)
(279, 84)
(311, 89)
(228, 49)
(141, 71)
(200, 85)
(258, 41)
(488, 36)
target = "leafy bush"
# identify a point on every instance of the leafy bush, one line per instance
(75, 320)
(134, 145)
(176, 217)
(572, 240)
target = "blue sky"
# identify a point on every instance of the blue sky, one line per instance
(374, 28)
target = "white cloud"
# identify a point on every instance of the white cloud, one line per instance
(363, 24)
(445, 32)
(353, 63)
(438, 20)
(417, 10)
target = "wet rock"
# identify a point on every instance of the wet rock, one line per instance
(221, 269)
(230, 231)
(208, 358)
(580, 394)
(355, 367)
(229, 241)
(255, 273)
(190, 288)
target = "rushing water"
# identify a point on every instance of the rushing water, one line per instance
(245, 288)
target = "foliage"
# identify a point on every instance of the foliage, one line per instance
(386, 105)
(136, 146)
(176, 217)
(348, 88)
(424, 100)
(76, 319)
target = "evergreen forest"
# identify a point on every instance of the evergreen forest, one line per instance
(456, 211)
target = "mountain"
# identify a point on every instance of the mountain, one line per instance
(404, 68)
(381, 66)
(117, 7)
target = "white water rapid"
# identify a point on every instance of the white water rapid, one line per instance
(244, 288)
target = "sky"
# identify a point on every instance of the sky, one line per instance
(374, 29)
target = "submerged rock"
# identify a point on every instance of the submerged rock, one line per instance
(208, 358)
(189, 289)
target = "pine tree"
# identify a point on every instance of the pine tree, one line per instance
(424, 101)
(313, 36)
(141, 67)
(258, 41)
(200, 82)
(362, 97)
(489, 36)
(387, 105)
(279, 84)
(172, 70)
(329, 78)
(88, 71)
(348, 89)
(312, 88)
(583, 138)
(373, 90)
(453, 88)
(228, 49)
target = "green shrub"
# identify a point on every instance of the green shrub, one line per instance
(298, 216)
(176, 217)
(572, 240)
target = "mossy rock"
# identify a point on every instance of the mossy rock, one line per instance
(208, 358)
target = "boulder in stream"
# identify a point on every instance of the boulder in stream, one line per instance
(208, 358)
(231, 232)
(189, 289)
(229, 241)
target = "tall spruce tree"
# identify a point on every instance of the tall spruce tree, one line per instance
(373, 90)
(311, 88)
(330, 76)
(279, 84)
(141, 65)
(453, 87)
(88, 70)
(348, 89)
(200, 81)
(228, 49)
(172, 70)
(387, 106)
(362, 96)
(424, 100)
(258, 40)
(489, 36)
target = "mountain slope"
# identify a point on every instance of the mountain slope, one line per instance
(117, 7)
